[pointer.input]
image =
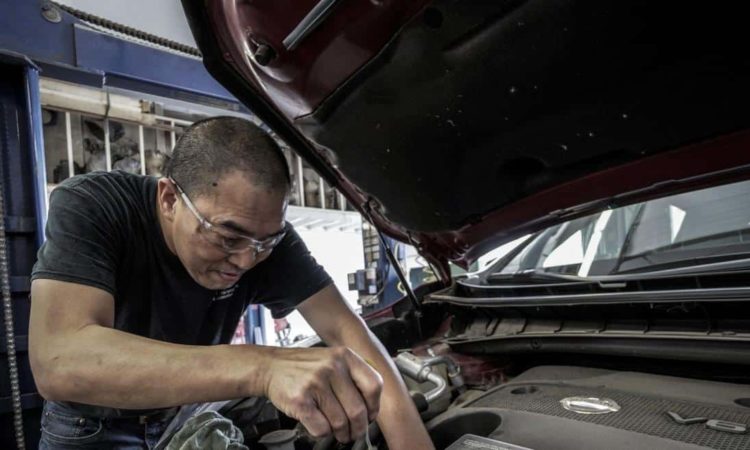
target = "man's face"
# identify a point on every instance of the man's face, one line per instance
(234, 204)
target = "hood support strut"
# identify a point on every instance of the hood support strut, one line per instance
(400, 273)
(392, 259)
(397, 267)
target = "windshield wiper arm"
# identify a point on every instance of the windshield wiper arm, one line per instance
(621, 281)
(697, 269)
(608, 280)
(536, 275)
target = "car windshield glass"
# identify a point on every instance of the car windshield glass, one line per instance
(676, 231)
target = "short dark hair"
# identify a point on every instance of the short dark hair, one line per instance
(215, 146)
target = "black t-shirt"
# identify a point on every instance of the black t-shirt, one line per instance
(103, 231)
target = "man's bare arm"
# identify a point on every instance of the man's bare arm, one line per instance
(77, 356)
(333, 320)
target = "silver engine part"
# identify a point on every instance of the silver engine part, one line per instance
(420, 369)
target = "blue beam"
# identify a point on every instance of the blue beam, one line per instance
(24, 30)
(72, 51)
(147, 65)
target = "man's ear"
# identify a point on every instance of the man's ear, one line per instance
(167, 197)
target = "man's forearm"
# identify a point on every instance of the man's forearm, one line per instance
(398, 419)
(106, 367)
(339, 326)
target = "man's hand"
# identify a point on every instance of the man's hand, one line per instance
(327, 389)
(338, 325)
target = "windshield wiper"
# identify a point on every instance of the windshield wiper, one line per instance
(537, 275)
(616, 281)
(547, 277)
(679, 253)
(730, 263)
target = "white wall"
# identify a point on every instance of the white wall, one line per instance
(339, 253)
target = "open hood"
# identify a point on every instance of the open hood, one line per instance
(457, 125)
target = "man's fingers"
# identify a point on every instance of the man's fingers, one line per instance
(333, 411)
(314, 421)
(353, 403)
(369, 383)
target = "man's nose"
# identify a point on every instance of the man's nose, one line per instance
(245, 260)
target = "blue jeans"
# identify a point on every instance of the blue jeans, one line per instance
(64, 428)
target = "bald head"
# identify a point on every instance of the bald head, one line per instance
(213, 147)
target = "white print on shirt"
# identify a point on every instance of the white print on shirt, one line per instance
(224, 294)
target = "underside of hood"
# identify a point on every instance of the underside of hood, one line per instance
(460, 124)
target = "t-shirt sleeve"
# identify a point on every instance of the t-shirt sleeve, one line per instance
(80, 245)
(288, 277)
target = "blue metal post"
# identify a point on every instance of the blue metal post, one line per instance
(36, 143)
(254, 319)
(20, 147)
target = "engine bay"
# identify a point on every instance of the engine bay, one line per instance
(531, 377)
(560, 407)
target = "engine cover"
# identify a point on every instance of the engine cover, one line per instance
(572, 408)
(472, 442)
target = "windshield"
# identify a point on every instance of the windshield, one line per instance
(677, 231)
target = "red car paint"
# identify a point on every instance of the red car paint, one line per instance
(299, 80)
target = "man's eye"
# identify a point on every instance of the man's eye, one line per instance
(232, 241)
(226, 234)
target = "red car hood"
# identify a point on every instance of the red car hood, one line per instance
(457, 125)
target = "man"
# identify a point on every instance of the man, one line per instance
(141, 279)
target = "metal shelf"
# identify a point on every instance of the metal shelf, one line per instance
(324, 219)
